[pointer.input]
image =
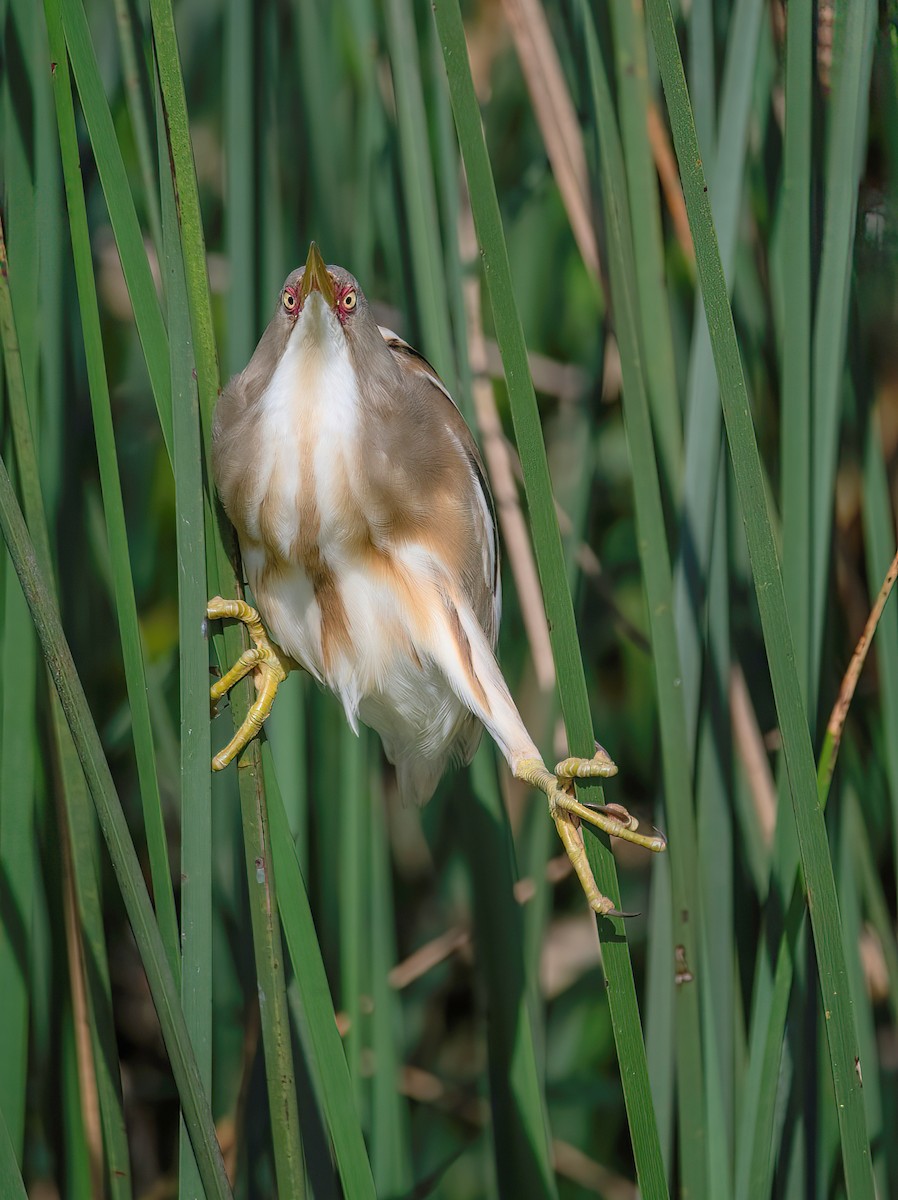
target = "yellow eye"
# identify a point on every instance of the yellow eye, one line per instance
(349, 301)
(289, 299)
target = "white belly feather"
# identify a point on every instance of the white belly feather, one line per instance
(311, 420)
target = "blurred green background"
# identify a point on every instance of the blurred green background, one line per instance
(474, 1019)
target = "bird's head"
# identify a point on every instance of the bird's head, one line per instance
(322, 316)
(320, 302)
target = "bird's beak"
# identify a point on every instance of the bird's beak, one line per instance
(317, 278)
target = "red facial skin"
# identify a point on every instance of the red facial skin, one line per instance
(340, 308)
(293, 304)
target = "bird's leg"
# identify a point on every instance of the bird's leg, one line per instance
(466, 656)
(567, 812)
(271, 664)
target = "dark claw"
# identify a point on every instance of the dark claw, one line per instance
(612, 912)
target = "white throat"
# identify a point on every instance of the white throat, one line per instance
(310, 417)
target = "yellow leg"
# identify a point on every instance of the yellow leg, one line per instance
(244, 664)
(569, 831)
(567, 812)
(271, 663)
(600, 766)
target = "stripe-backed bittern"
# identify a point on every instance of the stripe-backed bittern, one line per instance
(369, 541)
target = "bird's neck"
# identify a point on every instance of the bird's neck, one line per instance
(314, 384)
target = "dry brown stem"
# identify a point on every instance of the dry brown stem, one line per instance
(556, 117)
(753, 753)
(501, 473)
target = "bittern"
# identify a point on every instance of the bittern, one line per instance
(369, 540)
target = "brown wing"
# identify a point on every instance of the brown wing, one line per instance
(436, 409)
(236, 446)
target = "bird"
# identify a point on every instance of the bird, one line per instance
(368, 537)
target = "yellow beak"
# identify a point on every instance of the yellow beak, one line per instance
(317, 278)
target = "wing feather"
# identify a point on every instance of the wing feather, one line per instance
(487, 603)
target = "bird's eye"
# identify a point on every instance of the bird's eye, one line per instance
(289, 299)
(349, 301)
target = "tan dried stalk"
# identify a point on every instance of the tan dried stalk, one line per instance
(499, 467)
(556, 117)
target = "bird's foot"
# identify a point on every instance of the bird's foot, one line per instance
(567, 812)
(271, 665)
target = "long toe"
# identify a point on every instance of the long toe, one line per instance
(567, 812)
(271, 663)
(572, 838)
(271, 676)
(612, 819)
(600, 766)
